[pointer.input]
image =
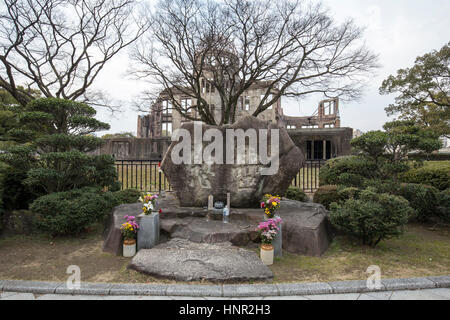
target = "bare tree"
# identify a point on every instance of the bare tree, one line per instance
(59, 47)
(291, 48)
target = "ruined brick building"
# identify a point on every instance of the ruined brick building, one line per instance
(320, 135)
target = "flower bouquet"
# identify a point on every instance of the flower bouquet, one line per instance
(268, 230)
(270, 204)
(149, 203)
(129, 231)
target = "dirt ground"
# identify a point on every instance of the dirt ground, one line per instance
(421, 251)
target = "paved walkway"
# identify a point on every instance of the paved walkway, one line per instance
(425, 294)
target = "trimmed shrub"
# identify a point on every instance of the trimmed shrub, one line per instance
(298, 194)
(326, 195)
(373, 217)
(127, 196)
(422, 198)
(349, 171)
(435, 177)
(349, 193)
(69, 213)
(444, 205)
(383, 186)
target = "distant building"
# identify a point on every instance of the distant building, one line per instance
(163, 119)
(357, 133)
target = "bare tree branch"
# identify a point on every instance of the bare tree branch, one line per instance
(60, 47)
(291, 48)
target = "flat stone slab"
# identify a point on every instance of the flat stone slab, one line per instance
(215, 263)
(201, 230)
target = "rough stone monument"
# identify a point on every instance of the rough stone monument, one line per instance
(194, 181)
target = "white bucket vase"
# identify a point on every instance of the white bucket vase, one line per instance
(267, 254)
(129, 248)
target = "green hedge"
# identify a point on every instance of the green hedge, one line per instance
(373, 217)
(127, 196)
(383, 186)
(350, 171)
(326, 195)
(436, 177)
(444, 205)
(298, 194)
(423, 199)
(71, 212)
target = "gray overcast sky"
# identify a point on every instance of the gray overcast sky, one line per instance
(397, 30)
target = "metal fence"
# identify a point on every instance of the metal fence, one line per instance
(145, 175)
(308, 177)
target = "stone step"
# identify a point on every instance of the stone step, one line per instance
(183, 260)
(200, 230)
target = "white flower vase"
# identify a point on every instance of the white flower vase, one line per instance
(267, 254)
(129, 248)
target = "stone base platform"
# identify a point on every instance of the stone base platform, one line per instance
(306, 229)
(182, 260)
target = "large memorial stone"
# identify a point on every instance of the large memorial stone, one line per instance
(195, 181)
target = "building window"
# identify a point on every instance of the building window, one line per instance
(166, 129)
(247, 103)
(167, 107)
(329, 126)
(186, 104)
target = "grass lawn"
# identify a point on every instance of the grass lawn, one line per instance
(437, 164)
(421, 251)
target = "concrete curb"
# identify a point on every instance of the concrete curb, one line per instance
(225, 290)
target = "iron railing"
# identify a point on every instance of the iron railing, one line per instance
(308, 177)
(145, 175)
